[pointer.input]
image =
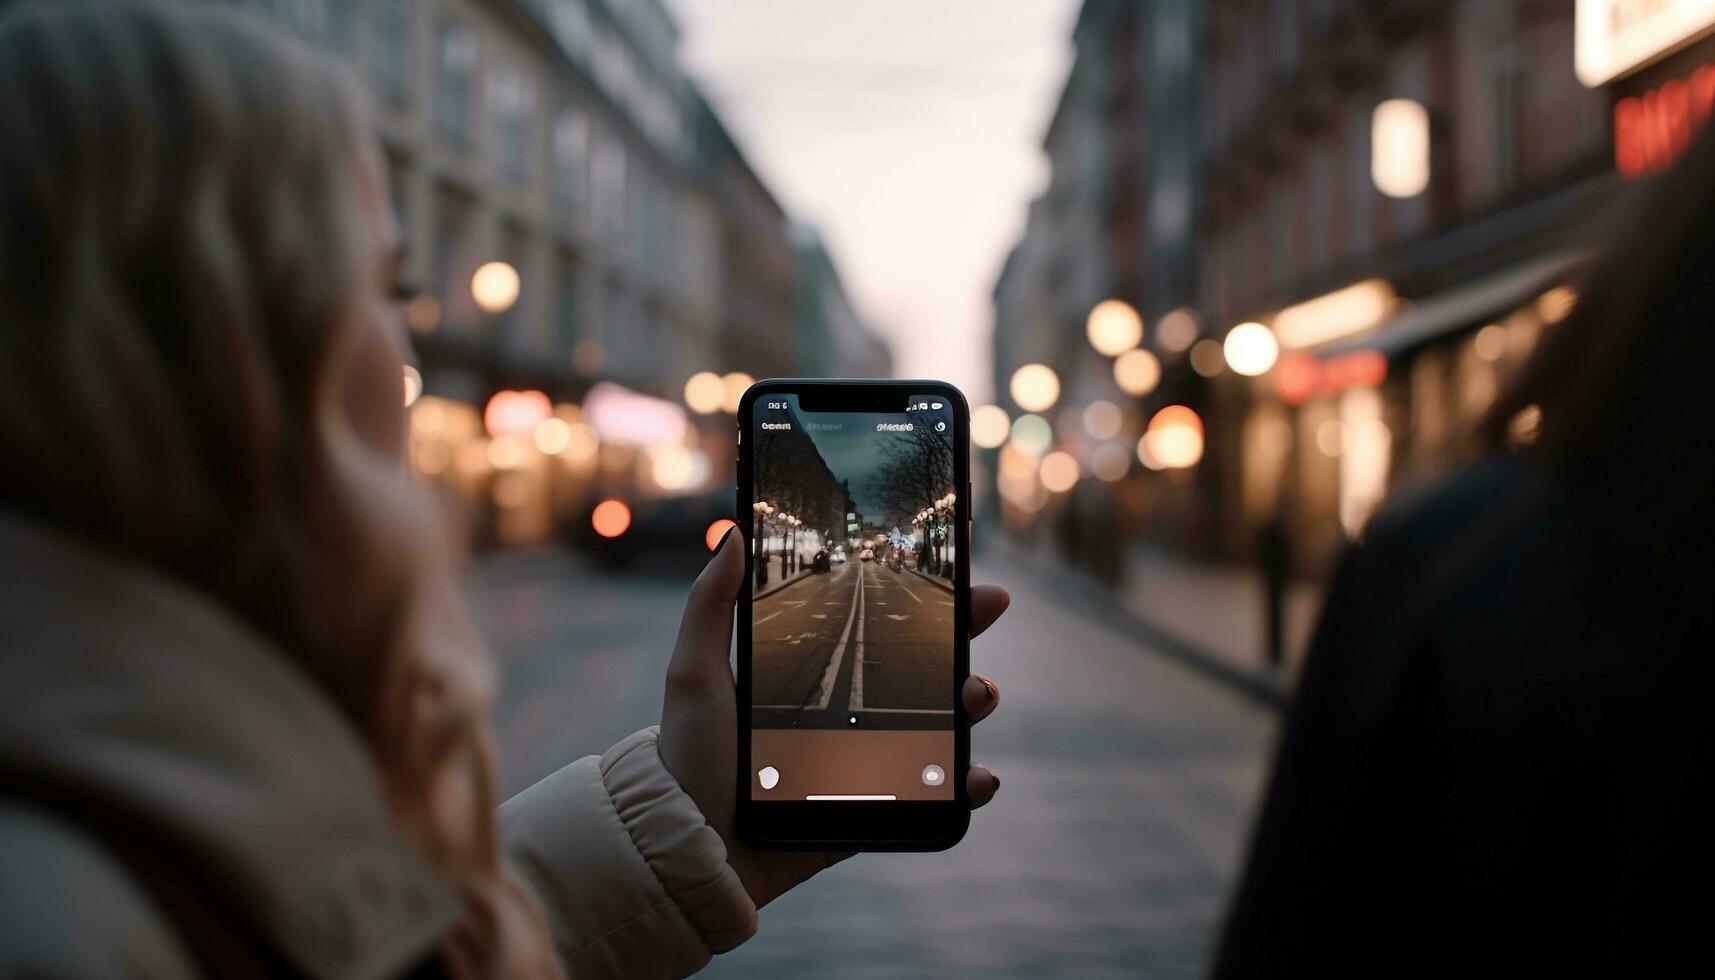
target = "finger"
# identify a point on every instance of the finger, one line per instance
(981, 785)
(987, 603)
(700, 660)
(981, 695)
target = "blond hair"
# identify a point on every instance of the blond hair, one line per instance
(181, 225)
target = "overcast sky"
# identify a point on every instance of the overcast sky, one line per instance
(909, 132)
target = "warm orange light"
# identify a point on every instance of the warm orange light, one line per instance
(1114, 327)
(1059, 472)
(1035, 387)
(989, 426)
(423, 313)
(514, 413)
(1137, 372)
(610, 518)
(712, 537)
(1354, 309)
(1177, 330)
(1297, 378)
(705, 393)
(1174, 438)
(734, 385)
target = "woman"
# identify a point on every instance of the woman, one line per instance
(246, 715)
(1501, 761)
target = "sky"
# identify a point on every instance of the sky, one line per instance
(908, 132)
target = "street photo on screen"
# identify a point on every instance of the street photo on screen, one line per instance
(853, 555)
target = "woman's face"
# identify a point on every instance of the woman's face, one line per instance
(375, 384)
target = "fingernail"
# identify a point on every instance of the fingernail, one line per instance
(994, 692)
(728, 534)
(996, 783)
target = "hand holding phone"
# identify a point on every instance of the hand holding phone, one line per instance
(699, 740)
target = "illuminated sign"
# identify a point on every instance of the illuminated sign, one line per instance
(1617, 37)
(1652, 129)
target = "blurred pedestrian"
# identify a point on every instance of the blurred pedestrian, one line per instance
(1501, 760)
(246, 723)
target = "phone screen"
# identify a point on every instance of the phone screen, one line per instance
(852, 613)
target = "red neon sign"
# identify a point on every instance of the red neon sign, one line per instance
(1651, 130)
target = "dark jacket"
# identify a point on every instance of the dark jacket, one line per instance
(1502, 755)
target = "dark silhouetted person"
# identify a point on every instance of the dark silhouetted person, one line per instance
(1501, 761)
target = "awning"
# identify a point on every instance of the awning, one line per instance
(1482, 299)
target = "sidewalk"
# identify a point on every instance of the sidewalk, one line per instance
(1218, 609)
(1209, 618)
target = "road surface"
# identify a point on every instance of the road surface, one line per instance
(863, 646)
(1127, 787)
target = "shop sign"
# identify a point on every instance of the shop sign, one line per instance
(1653, 128)
(1617, 37)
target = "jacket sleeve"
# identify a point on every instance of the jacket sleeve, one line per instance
(633, 880)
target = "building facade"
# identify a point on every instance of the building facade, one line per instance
(563, 139)
(1399, 193)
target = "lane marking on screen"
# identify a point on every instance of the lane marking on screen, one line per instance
(910, 593)
(832, 674)
(856, 702)
(852, 796)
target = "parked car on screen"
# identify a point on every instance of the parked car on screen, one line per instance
(866, 555)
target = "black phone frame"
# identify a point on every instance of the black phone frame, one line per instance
(894, 825)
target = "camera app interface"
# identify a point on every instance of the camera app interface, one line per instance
(852, 613)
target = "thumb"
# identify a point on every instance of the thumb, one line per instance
(705, 632)
(698, 736)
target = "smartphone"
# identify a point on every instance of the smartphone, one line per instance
(854, 623)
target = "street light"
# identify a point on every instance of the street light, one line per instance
(1114, 327)
(1035, 387)
(763, 509)
(495, 287)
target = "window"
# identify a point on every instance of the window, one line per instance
(571, 157)
(512, 106)
(393, 36)
(455, 78)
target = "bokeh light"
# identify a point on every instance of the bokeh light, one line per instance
(1059, 472)
(423, 313)
(514, 413)
(413, 385)
(1110, 463)
(1114, 327)
(712, 537)
(1035, 387)
(1174, 438)
(1557, 304)
(1177, 330)
(736, 384)
(1032, 435)
(1137, 372)
(1102, 419)
(1399, 148)
(1250, 349)
(989, 426)
(506, 452)
(495, 287)
(705, 393)
(610, 518)
(1491, 342)
(552, 435)
(1207, 358)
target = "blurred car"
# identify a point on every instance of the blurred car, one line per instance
(820, 565)
(894, 560)
(866, 555)
(839, 557)
(675, 530)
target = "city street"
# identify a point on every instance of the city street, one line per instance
(863, 641)
(1128, 782)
